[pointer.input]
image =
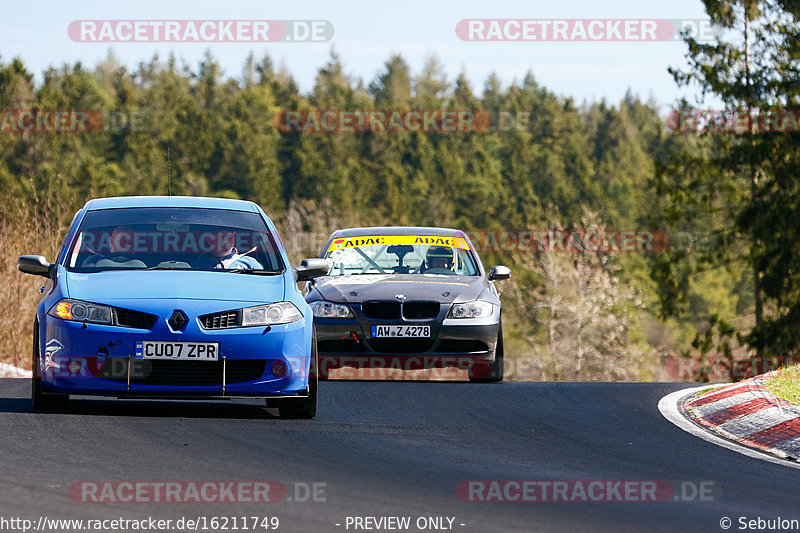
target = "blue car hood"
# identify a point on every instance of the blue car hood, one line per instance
(174, 284)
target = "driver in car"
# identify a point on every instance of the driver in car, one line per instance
(225, 255)
(114, 250)
(439, 257)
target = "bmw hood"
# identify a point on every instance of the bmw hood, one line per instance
(358, 288)
(173, 284)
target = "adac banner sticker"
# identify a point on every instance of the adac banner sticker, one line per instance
(377, 240)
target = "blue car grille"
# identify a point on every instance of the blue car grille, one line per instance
(134, 319)
(225, 319)
(187, 373)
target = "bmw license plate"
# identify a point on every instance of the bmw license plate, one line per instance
(174, 351)
(401, 331)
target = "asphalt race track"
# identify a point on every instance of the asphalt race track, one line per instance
(389, 449)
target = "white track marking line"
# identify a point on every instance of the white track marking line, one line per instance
(668, 405)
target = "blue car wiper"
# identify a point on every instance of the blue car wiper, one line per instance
(256, 271)
(168, 267)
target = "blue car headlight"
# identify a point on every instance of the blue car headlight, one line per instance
(78, 311)
(323, 309)
(475, 309)
(271, 314)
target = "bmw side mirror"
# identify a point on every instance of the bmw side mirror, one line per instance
(499, 273)
(310, 269)
(36, 265)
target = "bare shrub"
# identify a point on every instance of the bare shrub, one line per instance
(306, 225)
(581, 313)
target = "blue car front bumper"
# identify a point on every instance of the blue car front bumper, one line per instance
(93, 359)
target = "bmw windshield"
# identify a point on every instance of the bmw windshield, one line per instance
(401, 254)
(161, 238)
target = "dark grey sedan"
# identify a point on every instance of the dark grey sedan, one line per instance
(407, 298)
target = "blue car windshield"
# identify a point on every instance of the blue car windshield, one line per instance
(161, 238)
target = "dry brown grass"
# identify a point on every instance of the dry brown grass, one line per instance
(25, 228)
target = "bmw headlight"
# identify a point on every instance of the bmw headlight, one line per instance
(268, 315)
(79, 311)
(475, 309)
(323, 309)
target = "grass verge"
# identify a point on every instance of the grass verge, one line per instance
(786, 384)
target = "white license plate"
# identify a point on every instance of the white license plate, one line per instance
(175, 351)
(401, 331)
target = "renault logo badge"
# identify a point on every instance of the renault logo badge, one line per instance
(178, 320)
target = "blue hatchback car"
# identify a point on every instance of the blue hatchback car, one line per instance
(174, 297)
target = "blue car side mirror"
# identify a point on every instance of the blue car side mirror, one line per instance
(36, 265)
(310, 269)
